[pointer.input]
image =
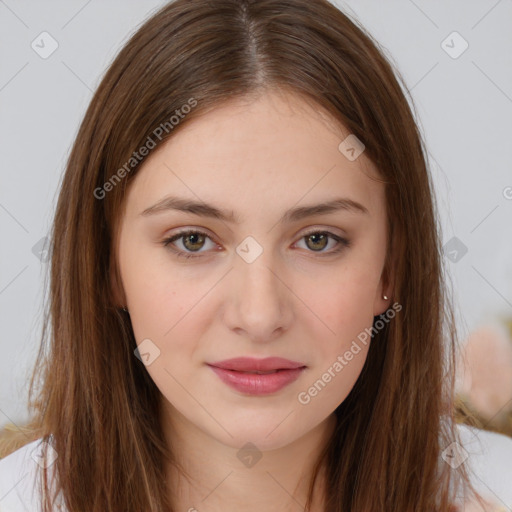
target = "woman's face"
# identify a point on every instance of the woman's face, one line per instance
(264, 279)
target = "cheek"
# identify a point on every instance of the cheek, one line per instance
(329, 384)
(345, 302)
(155, 299)
(342, 339)
(167, 304)
(340, 350)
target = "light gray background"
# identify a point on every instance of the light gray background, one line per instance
(464, 107)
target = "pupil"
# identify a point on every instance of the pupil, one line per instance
(311, 237)
(193, 236)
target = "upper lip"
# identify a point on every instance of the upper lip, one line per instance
(247, 364)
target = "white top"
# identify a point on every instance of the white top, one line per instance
(487, 455)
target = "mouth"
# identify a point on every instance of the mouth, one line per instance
(249, 376)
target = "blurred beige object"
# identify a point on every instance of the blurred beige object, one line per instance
(485, 372)
(486, 507)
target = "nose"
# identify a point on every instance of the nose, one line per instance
(260, 304)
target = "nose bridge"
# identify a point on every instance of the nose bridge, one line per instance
(258, 278)
(260, 303)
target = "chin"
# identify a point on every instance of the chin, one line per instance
(265, 435)
(257, 440)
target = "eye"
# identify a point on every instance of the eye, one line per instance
(193, 241)
(318, 240)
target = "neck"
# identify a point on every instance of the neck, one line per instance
(208, 474)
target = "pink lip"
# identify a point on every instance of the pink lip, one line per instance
(231, 373)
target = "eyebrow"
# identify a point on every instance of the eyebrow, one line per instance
(292, 215)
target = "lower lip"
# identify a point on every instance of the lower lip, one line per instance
(258, 384)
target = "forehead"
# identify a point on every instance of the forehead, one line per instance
(259, 152)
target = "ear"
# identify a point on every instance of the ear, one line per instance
(381, 304)
(385, 287)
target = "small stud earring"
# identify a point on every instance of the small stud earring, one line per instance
(125, 309)
(385, 297)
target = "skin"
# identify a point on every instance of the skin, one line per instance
(257, 157)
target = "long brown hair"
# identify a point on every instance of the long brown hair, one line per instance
(97, 405)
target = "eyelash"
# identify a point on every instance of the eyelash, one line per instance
(342, 242)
